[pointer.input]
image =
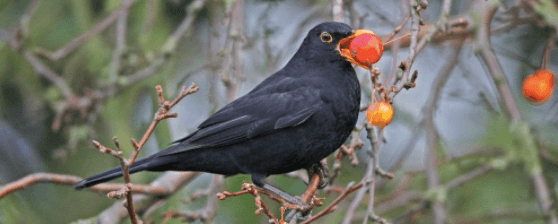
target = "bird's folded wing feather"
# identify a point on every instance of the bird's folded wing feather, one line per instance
(254, 115)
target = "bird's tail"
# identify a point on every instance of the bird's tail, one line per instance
(113, 173)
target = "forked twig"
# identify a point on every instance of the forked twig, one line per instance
(161, 114)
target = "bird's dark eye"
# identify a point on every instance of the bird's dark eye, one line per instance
(326, 37)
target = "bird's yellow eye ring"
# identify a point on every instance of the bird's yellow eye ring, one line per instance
(326, 37)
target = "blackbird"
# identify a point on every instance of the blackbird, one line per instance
(292, 120)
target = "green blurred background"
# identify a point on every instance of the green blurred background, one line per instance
(468, 119)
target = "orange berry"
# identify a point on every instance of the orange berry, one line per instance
(538, 87)
(367, 49)
(380, 114)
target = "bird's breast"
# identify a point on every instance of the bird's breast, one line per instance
(342, 102)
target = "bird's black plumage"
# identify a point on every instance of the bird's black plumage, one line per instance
(292, 120)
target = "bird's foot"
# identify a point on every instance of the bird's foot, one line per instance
(297, 202)
(322, 170)
(302, 206)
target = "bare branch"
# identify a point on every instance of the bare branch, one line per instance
(206, 214)
(69, 180)
(62, 52)
(26, 17)
(232, 72)
(452, 184)
(307, 197)
(125, 190)
(402, 199)
(350, 189)
(170, 181)
(120, 43)
(431, 165)
(468, 176)
(170, 45)
(162, 113)
(369, 181)
(44, 71)
(545, 62)
(488, 57)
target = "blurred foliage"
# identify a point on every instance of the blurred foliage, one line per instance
(28, 102)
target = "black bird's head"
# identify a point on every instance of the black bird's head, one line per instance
(329, 42)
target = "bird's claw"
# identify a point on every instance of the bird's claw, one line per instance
(322, 170)
(302, 206)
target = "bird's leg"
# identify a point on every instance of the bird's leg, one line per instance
(259, 180)
(322, 170)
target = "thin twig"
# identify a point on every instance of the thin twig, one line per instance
(307, 197)
(232, 73)
(402, 199)
(402, 23)
(168, 48)
(162, 113)
(450, 185)
(415, 46)
(354, 205)
(120, 43)
(69, 180)
(431, 164)
(206, 214)
(534, 5)
(72, 45)
(44, 71)
(26, 17)
(349, 151)
(489, 59)
(350, 189)
(442, 26)
(487, 56)
(545, 62)
(468, 176)
(128, 184)
(368, 180)
(254, 191)
(125, 190)
(405, 66)
(374, 168)
(170, 181)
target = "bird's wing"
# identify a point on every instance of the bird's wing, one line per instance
(254, 115)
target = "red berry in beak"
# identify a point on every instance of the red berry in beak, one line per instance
(366, 49)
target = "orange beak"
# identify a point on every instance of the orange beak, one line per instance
(364, 58)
